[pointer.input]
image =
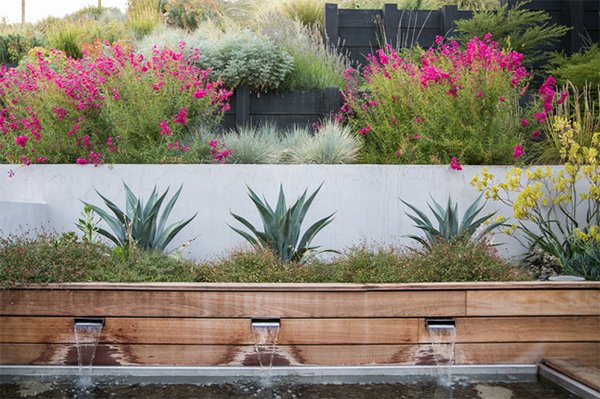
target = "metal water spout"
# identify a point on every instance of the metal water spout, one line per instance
(442, 332)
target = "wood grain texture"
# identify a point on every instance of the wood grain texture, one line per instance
(533, 303)
(300, 304)
(526, 353)
(212, 331)
(217, 355)
(522, 329)
(586, 374)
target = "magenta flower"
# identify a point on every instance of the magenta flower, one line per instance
(164, 128)
(524, 122)
(479, 94)
(502, 99)
(419, 119)
(398, 153)
(563, 97)
(540, 116)
(21, 140)
(518, 151)
(181, 116)
(365, 130)
(535, 133)
(454, 164)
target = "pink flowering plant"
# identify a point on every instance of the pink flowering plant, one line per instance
(454, 106)
(114, 107)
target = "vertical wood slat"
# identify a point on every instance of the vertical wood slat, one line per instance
(242, 107)
(331, 25)
(448, 16)
(573, 16)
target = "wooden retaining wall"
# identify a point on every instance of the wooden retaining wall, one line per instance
(340, 324)
(284, 109)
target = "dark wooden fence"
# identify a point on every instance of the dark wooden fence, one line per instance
(360, 32)
(284, 109)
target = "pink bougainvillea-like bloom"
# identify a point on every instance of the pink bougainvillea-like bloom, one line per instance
(502, 99)
(419, 119)
(181, 117)
(398, 153)
(25, 161)
(454, 164)
(479, 94)
(365, 130)
(524, 122)
(535, 133)
(540, 116)
(518, 151)
(563, 97)
(164, 128)
(21, 140)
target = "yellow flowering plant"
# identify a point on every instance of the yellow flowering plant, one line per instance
(557, 210)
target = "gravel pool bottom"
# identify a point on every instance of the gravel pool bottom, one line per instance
(60, 387)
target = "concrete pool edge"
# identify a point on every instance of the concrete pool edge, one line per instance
(568, 383)
(300, 371)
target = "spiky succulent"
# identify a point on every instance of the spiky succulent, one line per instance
(449, 227)
(140, 226)
(281, 227)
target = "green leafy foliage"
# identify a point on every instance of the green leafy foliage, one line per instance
(581, 69)
(245, 59)
(140, 226)
(282, 227)
(13, 47)
(585, 264)
(450, 228)
(187, 14)
(516, 28)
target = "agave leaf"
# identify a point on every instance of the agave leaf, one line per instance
(106, 234)
(170, 232)
(167, 211)
(281, 207)
(313, 230)
(424, 219)
(247, 236)
(115, 209)
(130, 201)
(471, 212)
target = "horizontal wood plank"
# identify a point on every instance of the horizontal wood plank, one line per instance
(212, 331)
(533, 303)
(295, 304)
(522, 329)
(585, 374)
(217, 355)
(526, 353)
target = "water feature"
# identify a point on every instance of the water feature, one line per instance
(442, 333)
(87, 334)
(266, 335)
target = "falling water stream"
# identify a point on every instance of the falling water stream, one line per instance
(266, 335)
(443, 337)
(87, 335)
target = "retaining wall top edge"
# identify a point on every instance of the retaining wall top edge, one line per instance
(314, 287)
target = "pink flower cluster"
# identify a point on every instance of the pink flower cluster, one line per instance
(218, 151)
(85, 90)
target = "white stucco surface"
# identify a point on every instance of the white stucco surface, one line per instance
(364, 197)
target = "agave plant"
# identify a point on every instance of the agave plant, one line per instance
(140, 226)
(282, 227)
(449, 228)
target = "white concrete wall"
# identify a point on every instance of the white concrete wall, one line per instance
(21, 217)
(364, 197)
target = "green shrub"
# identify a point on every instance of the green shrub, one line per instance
(459, 106)
(475, 5)
(331, 144)
(13, 47)
(515, 28)
(143, 16)
(585, 264)
(316, 65)
(187, 14)
(254, 145)
(245, 59)
(72, 36)
(582, 69)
